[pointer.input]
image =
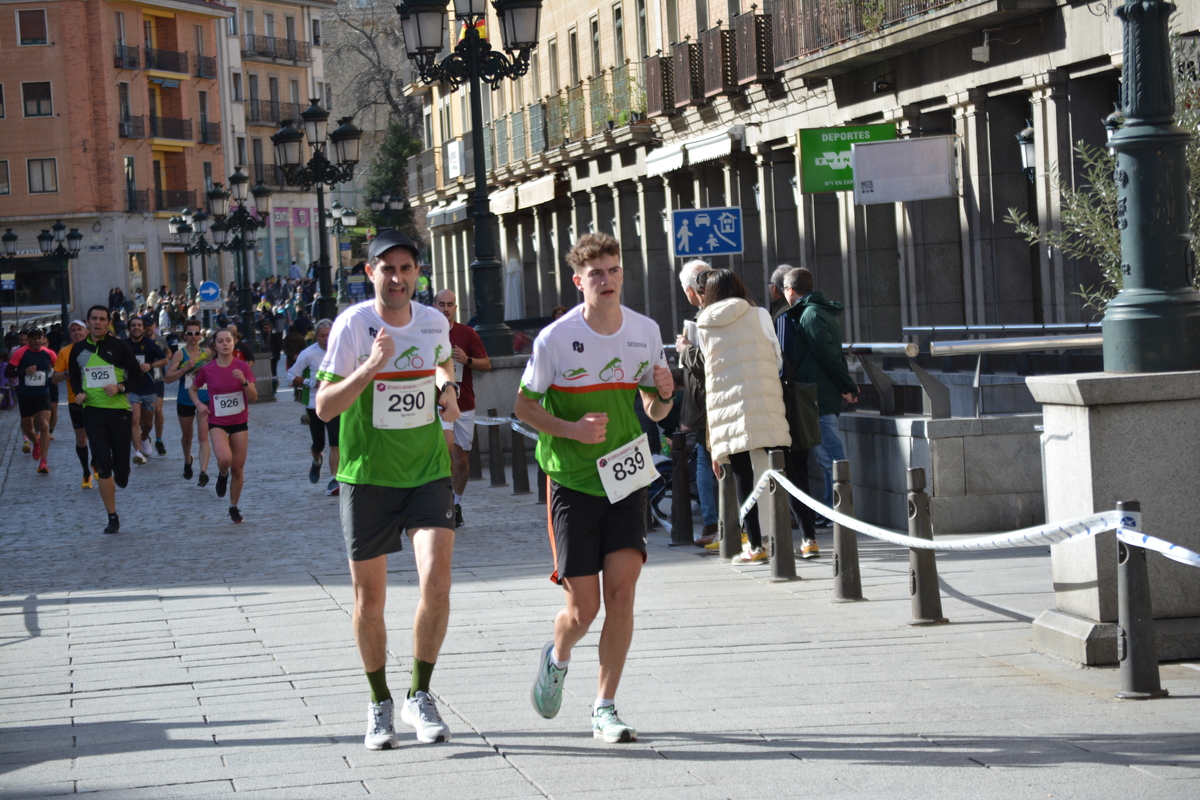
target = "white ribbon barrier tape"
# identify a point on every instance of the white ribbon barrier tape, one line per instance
(516, 424)
(1051, 533)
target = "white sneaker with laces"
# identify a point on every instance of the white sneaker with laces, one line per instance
(420, 711)
(381, 733)
(147, 448)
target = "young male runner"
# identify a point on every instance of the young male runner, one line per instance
(386, 368)
(303, 375)
(144, 398)
(77, 331)
(160, 383)
(578, 390)
(469, 355)
(101, 372)
(33, 366)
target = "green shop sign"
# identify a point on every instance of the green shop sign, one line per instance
(825, 155)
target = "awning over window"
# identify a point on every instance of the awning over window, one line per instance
(714, 146)
(664, 159)
(536, 192)
(504, 201)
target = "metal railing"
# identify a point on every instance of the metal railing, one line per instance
(687, 64)
(660, 86)
(1031, 344)
(268, 174)
(556, 121)
(427, 161)
(537, 128)
(130, 127)
(127, 57)
(254, 46)
(501, 130)
(210, 133)
(206, 67)
(825, 23)
(755, 47)
(271, 112)
(628, 93)
(171, 128)
(137, 200)
(167, 60)
(516, 132)
(576, 113)
(720, 71)
(174, 199)
(599, 101)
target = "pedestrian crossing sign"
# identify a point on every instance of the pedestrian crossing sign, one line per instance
(703, 232)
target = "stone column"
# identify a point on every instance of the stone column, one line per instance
(766, 212)
(539, 250)
(1052, 139)
(975, 206)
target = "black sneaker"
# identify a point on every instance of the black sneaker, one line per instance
(314, 472)
(222, 482)
(234, 514)
(160, 448)
(187, 470)
(114, 524)
(203, 480)
(458, 520)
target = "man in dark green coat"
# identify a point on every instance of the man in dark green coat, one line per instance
(814, 341)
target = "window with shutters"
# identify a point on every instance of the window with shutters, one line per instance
(31, 27)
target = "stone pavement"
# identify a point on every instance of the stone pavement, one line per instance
(188, 657)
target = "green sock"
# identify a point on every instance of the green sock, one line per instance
(422, 672)
(379, 689)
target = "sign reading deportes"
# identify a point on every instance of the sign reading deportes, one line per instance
(825, 155)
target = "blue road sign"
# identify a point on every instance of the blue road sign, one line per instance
(706, 232)
(8, 285)
(210, 291)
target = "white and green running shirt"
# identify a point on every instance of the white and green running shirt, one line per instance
(391, 436)
(575, 371)
(308, 363)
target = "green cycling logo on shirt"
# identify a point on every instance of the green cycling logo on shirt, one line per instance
(409, 358)
(437, 354)
(613, 371)
(575, 374)
(637, 375)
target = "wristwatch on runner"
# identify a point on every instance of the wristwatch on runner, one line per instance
(457, 391)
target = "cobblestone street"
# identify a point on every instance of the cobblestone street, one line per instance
(188, 656)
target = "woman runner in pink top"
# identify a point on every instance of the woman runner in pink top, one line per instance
(231, 389)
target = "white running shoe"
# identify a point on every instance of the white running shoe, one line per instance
(139, 457)
(420, 711)
(147, 448)
(381, 733)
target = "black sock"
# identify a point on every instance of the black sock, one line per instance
(82, 452)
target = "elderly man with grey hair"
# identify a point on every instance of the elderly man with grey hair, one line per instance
(692, 417)
(779, 302)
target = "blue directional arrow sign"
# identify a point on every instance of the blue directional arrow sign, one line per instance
(697, 232)
(210, 292)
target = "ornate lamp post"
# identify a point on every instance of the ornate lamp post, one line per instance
(341, 220)
(319, 172)
(10, 252)
(1153, 324)
(474, 61)
(243, 226)
(386, 207)
(51, 245)
(190, 228)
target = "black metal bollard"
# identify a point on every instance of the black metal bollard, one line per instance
(520, 469)
(542, 487)
(922, 564)
(495, 453)
(779, 523)
(475, 460)
(729, 527)
(681, 492)
(1137, 650)
(847, 580)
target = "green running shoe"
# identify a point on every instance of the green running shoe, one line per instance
(607, 725)
(547, 689)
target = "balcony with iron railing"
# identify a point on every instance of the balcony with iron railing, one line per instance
(556, 121)
(537, 128)
(687, 64)
(131, 127)
(427, 162)
(500, 126)
(600, 103)
(516, 134)
(576, 113)
(720, 71)
(167, 61)
(127, 57)
(272, 48)
(206, 66)
(210, 132)
(137, 201)
(171, 128)
(660, 86)
(174, 199)
(270, 113)
(754, 47)
(628, 93)
(268, 175)
(831, 37)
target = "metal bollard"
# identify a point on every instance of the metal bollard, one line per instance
(495, 453)
(922, 565)
(520, 469)
(681, 492)
(542, 487)
(475, 460)
(778, 524)
(1137, 650)
(729, 528)
(847, 579)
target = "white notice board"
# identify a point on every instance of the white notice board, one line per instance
(904, 170)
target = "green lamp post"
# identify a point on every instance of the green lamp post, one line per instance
(1153, 324)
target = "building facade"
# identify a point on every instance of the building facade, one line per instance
(636, 107)
(110, 121)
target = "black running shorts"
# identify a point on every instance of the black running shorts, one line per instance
(374, 518)
(585, 528)
(76, 412)
(319, 430)
(110, 437)
(31, 404)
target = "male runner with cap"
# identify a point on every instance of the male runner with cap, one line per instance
(387, 372)
(587, 370)
(33, 366)
(143, 399)
(101, 372)
(303, 375)
(468, 354)
(77, 331)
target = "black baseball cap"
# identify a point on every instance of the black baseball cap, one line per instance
(392, 238)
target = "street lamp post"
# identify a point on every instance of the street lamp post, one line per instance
(52, 246)
(474, 61)
(10, 252)
(387, 207)
(318, 173)
(1153, 324)
(190, 228)
(341, 220)
(238, 222)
